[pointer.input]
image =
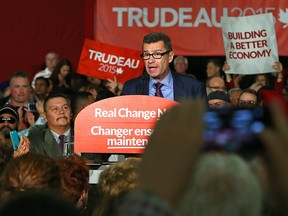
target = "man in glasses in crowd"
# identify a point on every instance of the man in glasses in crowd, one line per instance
(248, 99)
(158, 79)
(9, 119)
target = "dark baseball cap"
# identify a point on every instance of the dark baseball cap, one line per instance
(221, 95)
(9, 110)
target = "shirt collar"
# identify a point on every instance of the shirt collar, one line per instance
(167, 81)
(56, 136)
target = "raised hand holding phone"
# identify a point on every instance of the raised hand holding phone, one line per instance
(14, 139)
(24, 146)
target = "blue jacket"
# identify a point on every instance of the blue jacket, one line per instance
(184, 87)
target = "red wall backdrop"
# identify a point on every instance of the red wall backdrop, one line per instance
(29, 29)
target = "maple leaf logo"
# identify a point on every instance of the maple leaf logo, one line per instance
(119, 71)
(283, 17)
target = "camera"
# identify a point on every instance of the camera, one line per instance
(235, 130)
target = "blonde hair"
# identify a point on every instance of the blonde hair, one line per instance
(119, 177)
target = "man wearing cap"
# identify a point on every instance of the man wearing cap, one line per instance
(218, 99)
(9, 119)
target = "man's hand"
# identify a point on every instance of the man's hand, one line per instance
(278, 66)
(114, 86)
(23, 147)
(275, 140)
(30, 118)
(172, 151)
(40, 107)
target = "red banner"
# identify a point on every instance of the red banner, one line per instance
(194, 26)
(106, 61)
(120, 124)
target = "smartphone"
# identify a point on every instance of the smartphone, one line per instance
(14, 139)
(32, 107)
(235, 130)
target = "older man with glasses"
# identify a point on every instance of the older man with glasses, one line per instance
(158, 79)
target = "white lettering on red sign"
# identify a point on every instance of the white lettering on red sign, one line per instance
(113, 60)
(181, 17)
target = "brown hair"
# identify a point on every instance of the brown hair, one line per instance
(119, 177)
(6, 155)
(30, 171)
(74, 176)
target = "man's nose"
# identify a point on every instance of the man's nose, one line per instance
(151, 59)
(63, 109)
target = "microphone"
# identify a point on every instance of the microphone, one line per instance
(144, 75)
(144, 78)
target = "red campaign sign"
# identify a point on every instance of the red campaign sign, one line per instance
(106, 61)
(194, 26)
(120, 124)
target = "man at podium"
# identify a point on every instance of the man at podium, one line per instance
(158, 79)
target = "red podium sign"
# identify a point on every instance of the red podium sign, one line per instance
(120, 124)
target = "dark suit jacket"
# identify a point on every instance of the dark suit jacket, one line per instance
(42, 141)
(184, 87)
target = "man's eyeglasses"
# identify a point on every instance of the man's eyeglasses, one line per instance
(217, 87)
(217, 105)
(156, 55)
(9, 120)
(248, 102)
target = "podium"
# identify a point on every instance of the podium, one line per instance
(118, 125)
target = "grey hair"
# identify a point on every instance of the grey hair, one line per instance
(222, 184)
(231, 91)
(180, 57)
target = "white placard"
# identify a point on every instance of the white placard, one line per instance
(250, 43)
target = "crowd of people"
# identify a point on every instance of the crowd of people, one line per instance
(174, 176)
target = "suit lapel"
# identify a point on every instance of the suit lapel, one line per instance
(143, 86)
(51, 147)
(178, 87)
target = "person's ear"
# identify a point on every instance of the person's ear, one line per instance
(171, 56)
(44, 116)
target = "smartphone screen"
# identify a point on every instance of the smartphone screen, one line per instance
(32, 107)
(14, 139)
(234, 130)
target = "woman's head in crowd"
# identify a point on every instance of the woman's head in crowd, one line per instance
(74, 179)
(28, 172)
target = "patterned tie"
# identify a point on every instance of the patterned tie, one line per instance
(158, 92)
(61, 142)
